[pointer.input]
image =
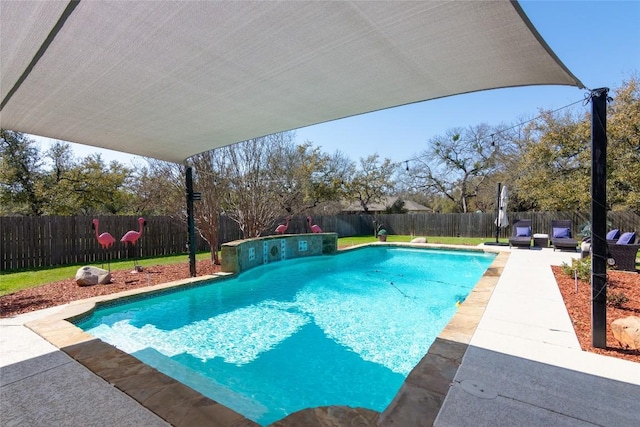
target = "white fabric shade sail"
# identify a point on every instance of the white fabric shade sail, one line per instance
(171, 79)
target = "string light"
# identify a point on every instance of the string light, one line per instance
(493, 143)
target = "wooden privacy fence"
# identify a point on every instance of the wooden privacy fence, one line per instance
(483, 225)
(33, 242)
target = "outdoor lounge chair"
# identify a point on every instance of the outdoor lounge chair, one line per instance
(521, 234)
(622, 254)
(561, 236)
(612, 237)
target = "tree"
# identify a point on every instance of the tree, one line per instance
(88, 186)
(554, 164)
(396, 208)
(338, 170)
(457, 164)
(371, 181)
(304, 176)
(58, 184)
(213, 185)
(160, 189)
(623, 151)
(251, 201)
(20, 173)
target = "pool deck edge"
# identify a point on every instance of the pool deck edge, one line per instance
(420, 398)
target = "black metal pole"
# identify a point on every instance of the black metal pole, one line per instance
(599, 217)
(498, 213)
(190, 222)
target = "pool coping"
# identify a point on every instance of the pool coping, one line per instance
(417, 402)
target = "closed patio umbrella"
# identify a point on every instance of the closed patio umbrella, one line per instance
(502, 220)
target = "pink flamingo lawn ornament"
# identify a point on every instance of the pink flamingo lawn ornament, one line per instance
(314, 228)
(282, 228)
(106, 240)
(131, 237)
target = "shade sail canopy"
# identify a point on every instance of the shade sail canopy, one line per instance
(170, 79)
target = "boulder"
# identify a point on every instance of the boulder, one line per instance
(88, 276)
(419, 240)
(627, 331)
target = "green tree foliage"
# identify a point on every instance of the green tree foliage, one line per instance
(21, 172)
(371, 181)
(554, 164)
(159, 189)
(623, 147)
(89, 186)
(305, 177)
(55, 183)
(396, 208)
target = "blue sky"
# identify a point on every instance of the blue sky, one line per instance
(598, 41)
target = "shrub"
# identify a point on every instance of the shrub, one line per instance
(617, 299)
(580, 266)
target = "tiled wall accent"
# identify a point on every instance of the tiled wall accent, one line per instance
(242, 255)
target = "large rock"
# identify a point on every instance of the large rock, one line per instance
(627, 331)
(419, 240)
(88, 276)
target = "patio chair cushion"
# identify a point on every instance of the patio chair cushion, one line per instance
(613, 234)
(523, 231)
(561, 233)
(627, 238)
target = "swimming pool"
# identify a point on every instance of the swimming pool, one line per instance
(335, 330)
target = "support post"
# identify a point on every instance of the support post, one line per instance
(498, 213)
(599, 217)
(190, 222)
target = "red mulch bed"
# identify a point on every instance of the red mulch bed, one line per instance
(64, 291)
(578, 303)
(579, 308)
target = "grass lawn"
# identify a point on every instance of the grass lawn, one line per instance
(15, 280)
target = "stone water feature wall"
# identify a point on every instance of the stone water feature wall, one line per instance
(241, 255)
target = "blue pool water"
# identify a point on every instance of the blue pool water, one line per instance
(330, 330)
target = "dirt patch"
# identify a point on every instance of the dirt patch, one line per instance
(578, 303)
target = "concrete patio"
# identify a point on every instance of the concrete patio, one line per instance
(524, 365)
